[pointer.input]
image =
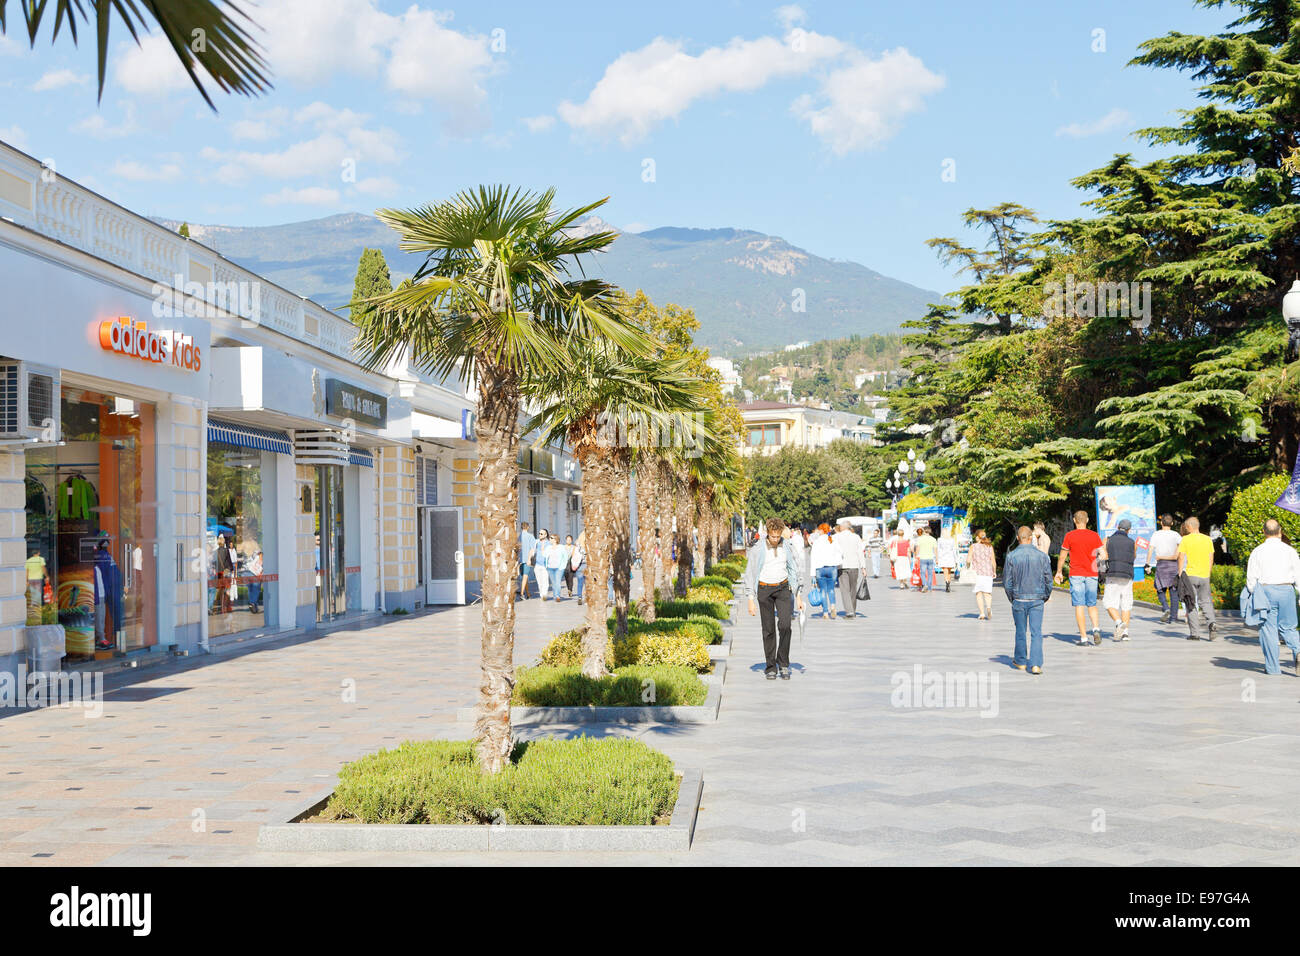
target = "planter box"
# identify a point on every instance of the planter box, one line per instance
(416, 837)
(722, 650)
(686, 714)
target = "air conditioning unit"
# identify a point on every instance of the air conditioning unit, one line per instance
(29, 401)
(320, 447)
(534, 488)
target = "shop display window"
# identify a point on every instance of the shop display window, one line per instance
(241, 567)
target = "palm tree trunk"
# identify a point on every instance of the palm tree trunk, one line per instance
(498, 511)
(685, 522)
(647, 500)
(621, 555)
(598, 521)
(664, 506)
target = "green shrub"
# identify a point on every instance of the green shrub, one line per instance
(613, 781)
(710, 624)
(682, 646)
(567, 687)
(565, 650)
(729, 569)
(686, 609)
(1244, 528)
(709, 592)
(715, 580)
(1226, 582)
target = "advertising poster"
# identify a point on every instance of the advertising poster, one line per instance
(1137, 503)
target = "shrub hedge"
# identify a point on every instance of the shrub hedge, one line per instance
(568, 687)
(612, 781)
(686, 609)
(671, 641)
(710, 592)
(1244, 527)
(716, 580)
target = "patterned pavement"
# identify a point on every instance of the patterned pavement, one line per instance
(1156, 751)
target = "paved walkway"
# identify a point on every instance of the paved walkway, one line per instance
(1144, 752)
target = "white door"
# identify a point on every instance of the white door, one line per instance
(444, 562)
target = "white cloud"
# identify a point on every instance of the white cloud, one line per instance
(143, 173)
(310, 195)
(342, 137)
(417, 53)
(150, 68)
(539, 124)
(260, 126)
(861, 105)
(58, 79)
(646, 87)
(1115, 119)
(377, 185)
(97, 127)
(15, 136)
(790, 15)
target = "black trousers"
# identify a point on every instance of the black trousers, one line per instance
(775, 605)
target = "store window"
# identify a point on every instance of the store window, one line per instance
(242, 570)
(91, 561)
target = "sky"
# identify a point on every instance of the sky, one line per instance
(854, 130)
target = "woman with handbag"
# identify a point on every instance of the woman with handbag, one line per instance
(898, 552)
(825, 562)
(578, 561)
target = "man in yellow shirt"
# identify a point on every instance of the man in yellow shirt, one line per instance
(38, 575)
(1196, 558)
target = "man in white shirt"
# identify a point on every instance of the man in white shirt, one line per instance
(849, 544)
(770, 577)
(1164, 551)
(1273, 574)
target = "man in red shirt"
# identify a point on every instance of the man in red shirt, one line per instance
(1082, 546)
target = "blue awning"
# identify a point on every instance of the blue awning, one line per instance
(247, 436)
(358, 456)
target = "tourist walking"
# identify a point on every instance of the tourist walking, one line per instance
(925, 549)
(1042, 540)
(1027, 579)
(1082, 545)
(771, 577)
(849, 544)
(945, 556)
(578, 562)
(899, 554)
(1119, 552)
(799, 545)
(984, 566)
(568, 564)
(1164, 555)
(540, 552)
(557, 559)
(527, 548)
(875, 546)
(1196, 560)
(1273, 578)
(825, 564)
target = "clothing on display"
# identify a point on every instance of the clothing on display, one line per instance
(76, 497)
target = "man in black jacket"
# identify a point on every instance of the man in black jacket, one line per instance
(1119, 551)
(1027, 579)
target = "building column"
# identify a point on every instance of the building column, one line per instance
(397, 534)
(13, 557)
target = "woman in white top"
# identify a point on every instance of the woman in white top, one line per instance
(540, 573)
(946, 556)
(556, 559)
(825, 565)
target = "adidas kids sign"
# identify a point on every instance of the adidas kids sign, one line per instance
(133, 338)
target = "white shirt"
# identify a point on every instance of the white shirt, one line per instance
(774, 570)
(1273, 562)
(946, 551)
(1164, 544)
(849, 544)
(824, 552)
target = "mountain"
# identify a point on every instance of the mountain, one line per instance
(743, 285)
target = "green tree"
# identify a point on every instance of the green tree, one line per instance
(493, 299)
(373, 281)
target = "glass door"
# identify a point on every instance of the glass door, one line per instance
(331, 589)
(444, 559)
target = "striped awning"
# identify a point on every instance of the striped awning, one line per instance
(359, 456)
(247, 436)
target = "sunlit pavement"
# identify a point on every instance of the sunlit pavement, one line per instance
(1155, 751)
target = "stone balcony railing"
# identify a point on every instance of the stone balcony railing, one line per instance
(33, 196)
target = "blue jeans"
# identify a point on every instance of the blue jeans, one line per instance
(1028, 615)
(557, 579)
(927, 573)
(579, 578)
(1083, 592)
(875, 564)
(254, 593)
(1280, 622)
(826, 578)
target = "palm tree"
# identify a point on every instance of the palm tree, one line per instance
(649, 464)
(494, 300)
(204, 34)
(605, 403)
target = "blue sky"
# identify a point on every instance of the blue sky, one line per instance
(826, 123)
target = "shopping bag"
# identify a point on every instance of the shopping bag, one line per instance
(815, 596)
(864, 592)
(916, 574)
